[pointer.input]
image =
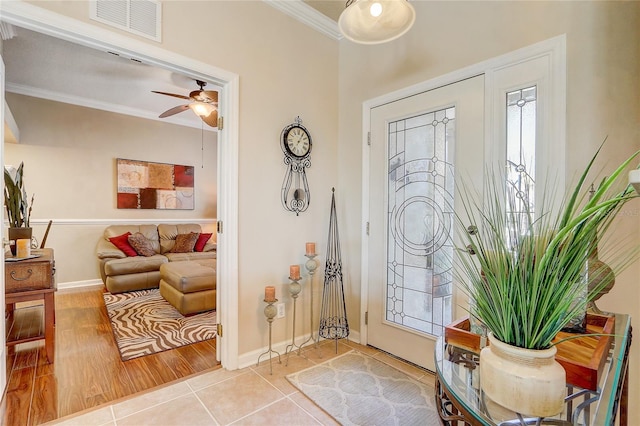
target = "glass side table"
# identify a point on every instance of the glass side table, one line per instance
(460, 400)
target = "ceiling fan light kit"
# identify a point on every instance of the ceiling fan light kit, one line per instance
(375, 22)
(202, 109)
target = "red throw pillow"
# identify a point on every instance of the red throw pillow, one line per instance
(202, 241)
(122, 242)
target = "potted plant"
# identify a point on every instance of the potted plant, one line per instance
(527, 278)
(17, 203)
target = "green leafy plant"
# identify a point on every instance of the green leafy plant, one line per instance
(526, 273)
(15, 199)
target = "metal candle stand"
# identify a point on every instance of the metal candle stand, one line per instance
(294, 289)
(311, 266)
(270, 312)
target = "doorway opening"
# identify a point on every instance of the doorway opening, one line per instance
(45, 22)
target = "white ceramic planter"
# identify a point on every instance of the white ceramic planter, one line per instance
(529, 382)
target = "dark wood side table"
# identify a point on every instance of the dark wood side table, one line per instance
(31, 280)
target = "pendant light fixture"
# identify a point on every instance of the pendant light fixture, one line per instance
(376, 21)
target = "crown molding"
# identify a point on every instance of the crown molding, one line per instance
(7, 32)
(51, 95)
(304, 13)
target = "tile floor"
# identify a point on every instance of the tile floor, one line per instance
(250, 396)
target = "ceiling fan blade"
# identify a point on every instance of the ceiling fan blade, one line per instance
(208, 96)
(211, 119)
(174, 110)
(171, 94)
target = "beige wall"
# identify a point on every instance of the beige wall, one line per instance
(286, 69)
(603, 81)
(70, 166)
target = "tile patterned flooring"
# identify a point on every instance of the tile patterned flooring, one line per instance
(250, 396)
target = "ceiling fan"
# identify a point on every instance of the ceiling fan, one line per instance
(203, 102)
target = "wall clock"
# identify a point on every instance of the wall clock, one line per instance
(296, 144)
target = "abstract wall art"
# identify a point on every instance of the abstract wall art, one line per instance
(147, 185)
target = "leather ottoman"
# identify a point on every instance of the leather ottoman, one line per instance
(190, 286)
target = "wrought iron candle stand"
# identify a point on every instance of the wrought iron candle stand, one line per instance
(294, 289)
(333, 316)
(311, 265)
(270, 312)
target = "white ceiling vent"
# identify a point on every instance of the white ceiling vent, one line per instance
(141, 17)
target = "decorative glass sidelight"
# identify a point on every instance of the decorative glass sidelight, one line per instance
(420, 221)
(521, 153)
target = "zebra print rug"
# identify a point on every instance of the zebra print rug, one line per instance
(144, 323)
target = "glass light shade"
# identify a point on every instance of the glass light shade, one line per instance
(202, 109)
(374, 22)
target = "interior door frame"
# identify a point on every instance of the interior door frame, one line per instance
(3, 334)
(555, 51)
(43, 21)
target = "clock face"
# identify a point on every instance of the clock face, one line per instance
(297, 141)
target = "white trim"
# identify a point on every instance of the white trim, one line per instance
(104, 106)
(554, 47)
(228, 214)
(108, 222)
(306, 14)
(41, 20)
(364, 271)
(79, 284)
(470, 71)
(250, 359)
(3, 334)
(31, 17)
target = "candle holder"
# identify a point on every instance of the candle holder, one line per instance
(294, 289)
(311, 265)
(270, 312)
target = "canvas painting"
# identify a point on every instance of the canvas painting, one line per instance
(147, 185)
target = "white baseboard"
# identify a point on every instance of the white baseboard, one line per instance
(79, 284)
(250, 359)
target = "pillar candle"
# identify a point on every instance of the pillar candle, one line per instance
(294, 272)
(311, 248)
(270, 294)
(23, 248)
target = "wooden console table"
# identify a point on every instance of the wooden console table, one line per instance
(31, 280)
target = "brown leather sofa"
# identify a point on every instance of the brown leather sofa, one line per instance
(121, 273)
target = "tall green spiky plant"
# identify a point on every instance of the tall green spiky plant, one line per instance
(15, 199)
(527, 273)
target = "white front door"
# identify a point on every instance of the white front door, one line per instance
(419, 145)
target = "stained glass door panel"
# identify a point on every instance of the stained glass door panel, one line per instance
(420, 220)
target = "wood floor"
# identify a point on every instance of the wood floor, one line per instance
(87, 370)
